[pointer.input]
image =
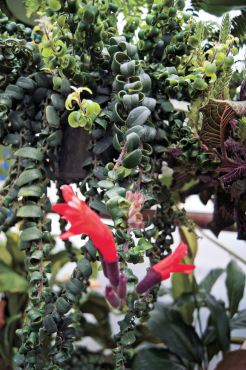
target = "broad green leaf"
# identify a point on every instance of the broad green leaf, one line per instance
(210, 279)
(10, 281)
(32, 211)
(220, 321)
(183, 283)
(138, 116)
(132, 159)
(31, 233)
(31, 191)
(29, 152)
(28, 176)
(155, 359)
(52, 116)
(235, 283)
(179, 337)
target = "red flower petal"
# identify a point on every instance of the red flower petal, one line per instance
(67, 192)
(172, 263)
(84, 220)
(164, 268)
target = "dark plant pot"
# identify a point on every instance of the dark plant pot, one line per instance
(74, 151)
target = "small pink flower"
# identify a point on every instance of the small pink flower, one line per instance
(135, 217)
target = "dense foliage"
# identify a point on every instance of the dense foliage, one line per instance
(86, 101)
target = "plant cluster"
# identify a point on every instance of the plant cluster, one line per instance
(82, 103)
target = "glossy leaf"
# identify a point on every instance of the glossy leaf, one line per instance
(29, 152)
(31, 191)
(28, 176)
(179, 337)
(210, 279)
(220, 321)
(138, 116)
(132, 159)
(32, 211)
(182, 283)
(31, 233)
(235, 283)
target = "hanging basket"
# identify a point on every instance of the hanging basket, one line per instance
(74, 151)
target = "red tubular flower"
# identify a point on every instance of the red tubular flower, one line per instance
(164, 268)
(84, 220)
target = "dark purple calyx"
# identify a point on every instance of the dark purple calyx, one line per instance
(112, 297)
(152, 278)
(113, 274)
(122, 288)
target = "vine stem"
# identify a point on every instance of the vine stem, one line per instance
(226, 249)
(121, 157)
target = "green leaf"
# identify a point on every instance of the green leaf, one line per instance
(32, 211)
(28, 176)
(210, 279)
(31, 191)
(132, 159)
(104, 184)
(29, 152)
(235, 283)
(128, 338)
(155, 359)
(74, 119)
(182, 283)
(49, 324)
(92, 109)
(138, 116)
(116, 190)
(98, 206)
(167, 106)
(52, 116)
(181, 338)
(32, 6)
(31, 233)
(10, 281)
(220, 321)
(84, 267)
(57, 101)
